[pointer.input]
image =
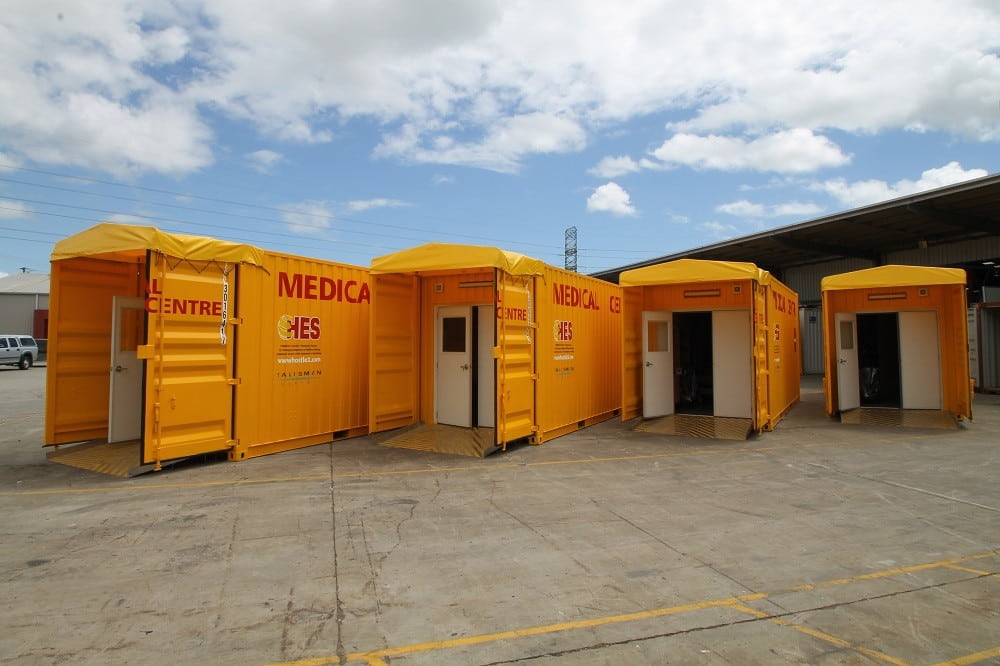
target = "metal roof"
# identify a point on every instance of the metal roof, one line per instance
(25, 283)
(965, 211)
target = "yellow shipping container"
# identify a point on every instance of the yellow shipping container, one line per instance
(896, 337)
(710, 338)
(164, 346)
(501, 345)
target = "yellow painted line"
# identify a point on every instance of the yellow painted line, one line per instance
(526, 632)
(734, 603)
(839, 642)
(815, 633)
(750, 611)
(972, 658)
(889, 572)
(969, 570)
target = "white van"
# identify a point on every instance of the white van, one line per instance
(19, 350)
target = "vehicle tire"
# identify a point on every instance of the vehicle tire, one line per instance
(25, 362)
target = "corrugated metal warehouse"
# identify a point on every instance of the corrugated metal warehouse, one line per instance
(957, 226)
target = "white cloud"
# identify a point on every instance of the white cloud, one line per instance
(307, 217)
(10, 210)
(501, 149)
(796, 208)
(3, 275)
(612, 167)
(718, 230)
(611, 198)
(442, 180)
(9, 162)
(864, 192)
(789, 151)
(369, 204)
(744, 208)
(128, 85)
(262, 161)
(125, 218)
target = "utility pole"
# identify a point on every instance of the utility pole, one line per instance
(570, 256)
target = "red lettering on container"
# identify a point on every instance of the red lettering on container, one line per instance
(565, 294)
(321, 288)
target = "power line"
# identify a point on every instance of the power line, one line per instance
(289, 211)
(339, 243)
(230, 237)
(286, 211)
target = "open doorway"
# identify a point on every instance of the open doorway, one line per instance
(693, 385)
(878, 359)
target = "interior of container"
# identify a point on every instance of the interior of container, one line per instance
(878, 359)
(94, 380)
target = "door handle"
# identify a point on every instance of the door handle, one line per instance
(464, 366)
(649, 363)
(119, 368)
(842, 361)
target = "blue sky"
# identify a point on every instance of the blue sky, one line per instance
(346, 130)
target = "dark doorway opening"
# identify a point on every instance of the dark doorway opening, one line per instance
(693, 363)
(878, 359)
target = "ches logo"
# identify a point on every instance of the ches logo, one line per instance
(297, 327)
(562, 331)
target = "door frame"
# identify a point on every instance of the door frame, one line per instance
(440, 313)
(118, 420)
(733, 397)
(916, 377)
(650, 410)
(848, 388)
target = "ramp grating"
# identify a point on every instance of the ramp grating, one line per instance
(908, 418)
(119, 459)
(437, 438)
(692, 425)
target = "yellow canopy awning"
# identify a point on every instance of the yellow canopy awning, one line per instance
(893, 276)
(683, 271)
(125, 239)
(448, 256)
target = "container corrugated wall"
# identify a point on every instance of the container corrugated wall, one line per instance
(579, 351)
(784, 352)
(302, 354)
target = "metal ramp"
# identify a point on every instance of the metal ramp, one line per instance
(120, 459)
(693, 425)
(907, 418)
(437, 438)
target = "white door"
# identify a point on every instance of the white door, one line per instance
(919, 360)
(453, 358)
(125, 402)
(486, 385)
(657, 364)
(732, 364)
(848, 389)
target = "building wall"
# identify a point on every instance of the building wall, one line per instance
(951, 253)
(804, 280)
(17, 311)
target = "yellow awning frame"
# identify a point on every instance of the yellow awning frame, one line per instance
(893, 276)
(117, 241)
(436, 257)
(685, 271)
